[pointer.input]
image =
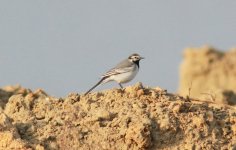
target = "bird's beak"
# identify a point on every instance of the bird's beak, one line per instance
(141, 57)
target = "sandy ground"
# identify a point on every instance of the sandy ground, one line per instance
(136, 118)
(209, 74)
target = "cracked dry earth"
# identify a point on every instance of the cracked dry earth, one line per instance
(136, 118)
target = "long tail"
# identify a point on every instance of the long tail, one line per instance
(95, 86)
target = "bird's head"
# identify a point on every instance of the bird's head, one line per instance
(135, 57)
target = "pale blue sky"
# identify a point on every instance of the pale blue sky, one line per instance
(65, 46)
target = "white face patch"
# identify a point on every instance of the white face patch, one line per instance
(135, 58)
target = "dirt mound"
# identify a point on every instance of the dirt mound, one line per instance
(209, 74)
(136, 118)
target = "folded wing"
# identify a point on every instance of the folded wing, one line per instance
(116, 71)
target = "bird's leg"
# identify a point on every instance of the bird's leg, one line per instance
(121, 86)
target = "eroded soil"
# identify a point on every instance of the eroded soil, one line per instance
(136, 118)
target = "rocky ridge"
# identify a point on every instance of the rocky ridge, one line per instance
(135, 118)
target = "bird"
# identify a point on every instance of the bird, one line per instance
(123, 72)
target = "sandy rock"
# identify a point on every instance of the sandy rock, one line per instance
(4, 121)
(140, 92)
(164, 123)
(72, 98)
(138, 135)
(11, 140)
(39, 147)
(136, 90)
(9, 136)
(18, 108)
(208, 74)
(234, 129)
(209, 116)
(40, 92)
(114, 119)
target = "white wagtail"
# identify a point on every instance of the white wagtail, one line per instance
(124, 72)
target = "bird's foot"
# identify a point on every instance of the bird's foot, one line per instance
(121, 90)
